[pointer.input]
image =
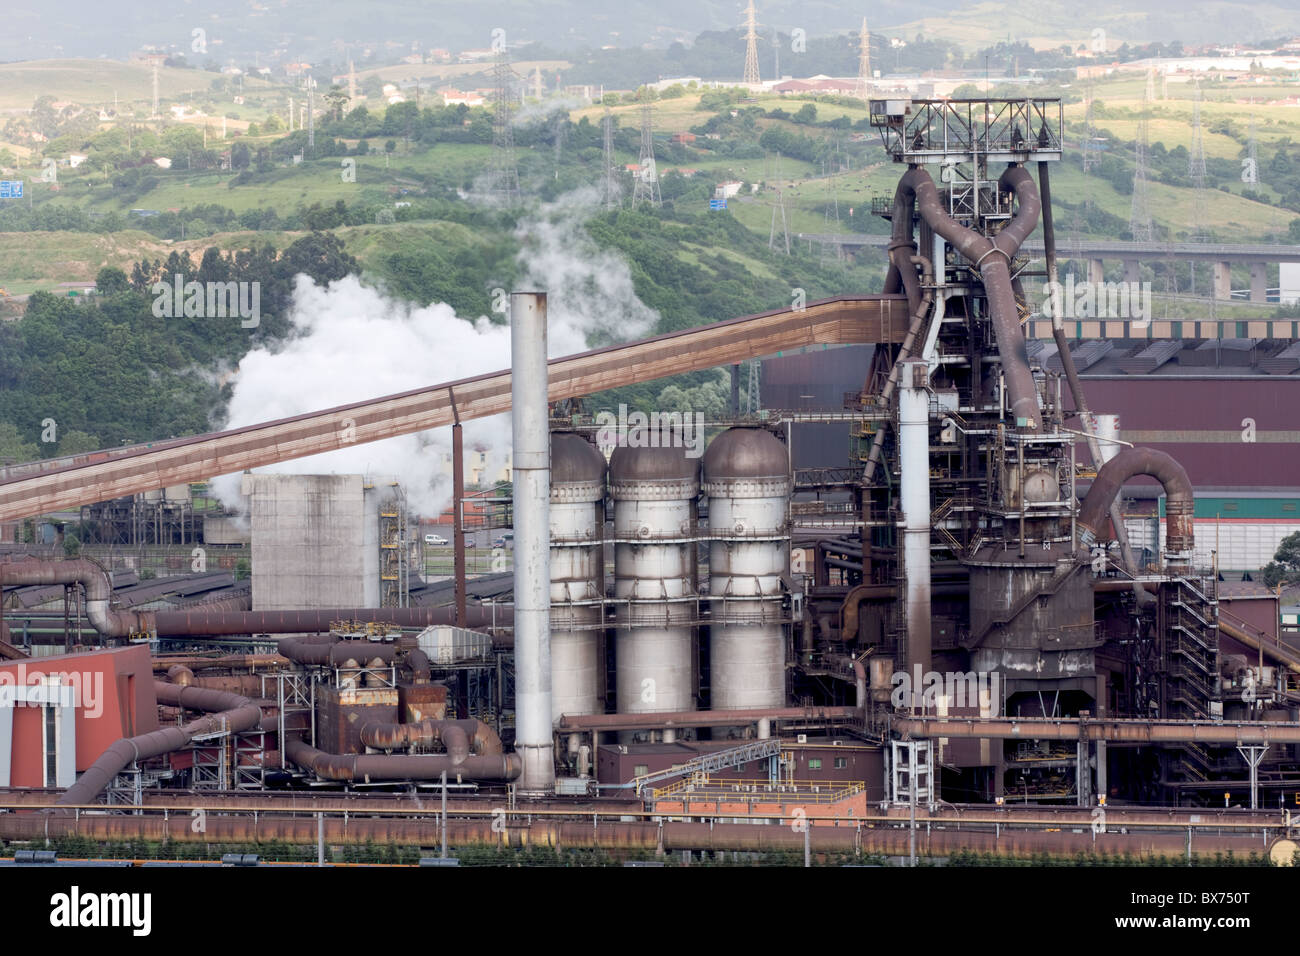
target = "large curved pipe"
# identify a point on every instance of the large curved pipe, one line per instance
(1180, 528)
(993, 258)
(226, 711)
(372, 768)
(91, 576)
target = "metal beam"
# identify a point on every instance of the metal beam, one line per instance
(1104, 728)
(846, 320)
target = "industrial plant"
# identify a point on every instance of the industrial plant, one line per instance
(949, 635)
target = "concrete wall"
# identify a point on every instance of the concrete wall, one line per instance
(315, 540)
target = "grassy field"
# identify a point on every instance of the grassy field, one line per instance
(103, 82)
(1053, 23)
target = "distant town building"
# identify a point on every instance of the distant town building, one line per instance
(457, 98)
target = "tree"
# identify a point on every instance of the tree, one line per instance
(1285, 566)
(12, 445)
(110, 280)
(337, 99)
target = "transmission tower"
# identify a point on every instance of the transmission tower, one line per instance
(1089, 129)
(753, 400)
(831, 218)
(352, 83)
(311, 115)
(863, 90)
(611, 194)
(560, 130)
(504, 185)
(778, 208)
(1196, 171)
(1140, 224)
(751, 47)
(647, 176)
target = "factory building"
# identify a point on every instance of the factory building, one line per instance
(957, 608)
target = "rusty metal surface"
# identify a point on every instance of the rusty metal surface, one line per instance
(839, 321)
(521, 830)
(1101, 728)
(702, 718)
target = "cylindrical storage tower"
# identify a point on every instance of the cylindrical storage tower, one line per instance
(747, 483)
(654, 490)
(577, 573)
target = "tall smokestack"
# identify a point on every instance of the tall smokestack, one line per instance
(914, 492)
(532, 506)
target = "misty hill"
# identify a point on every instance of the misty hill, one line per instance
(242, 29)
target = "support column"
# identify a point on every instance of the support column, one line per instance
(1096, 274)
(1101, 710)
(1132, 270)
(914, 456)
(1222, 283)
(1259, 282)
(532, 519)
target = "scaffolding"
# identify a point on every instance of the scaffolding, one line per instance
(394, 548)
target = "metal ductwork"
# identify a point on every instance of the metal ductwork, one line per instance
(1180, 527)
(206, 622)
(375, 768)
(339, 653)
(218, 623)
(226, 711)
(460, 737)
(993, 258)
(91, 576)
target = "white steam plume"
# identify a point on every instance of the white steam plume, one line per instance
(351, 342)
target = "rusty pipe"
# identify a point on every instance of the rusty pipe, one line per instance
(1180, 527)
(337, 653)
(993, 259)
(371, 768)
(418, 662)
(180, 675)
(93, 578)
(190, 623)
(477, 736)
(226, 711)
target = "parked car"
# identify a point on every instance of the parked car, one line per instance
(506, 540)
(434, 539)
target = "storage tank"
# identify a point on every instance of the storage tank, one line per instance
(747, 483)
(654, 489)
(577, 573)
